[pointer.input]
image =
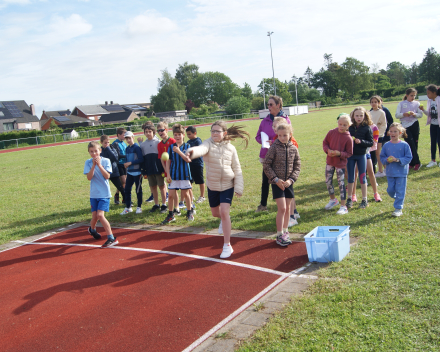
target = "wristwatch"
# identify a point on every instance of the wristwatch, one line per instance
(397, 160)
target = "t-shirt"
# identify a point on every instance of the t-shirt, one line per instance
(179, 168)
(163, 147)
(194, 143)
(99, 186)
(434, 113)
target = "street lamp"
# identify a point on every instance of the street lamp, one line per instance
(264, 95)
(273, 72)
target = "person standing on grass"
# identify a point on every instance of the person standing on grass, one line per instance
(362, 136)
(396, 155)
(389, 117)
(196, 165)
(275, 106)
(134, 175)
(408, 113)
(223, 174)
(282, 166)
(433, 93)
(120, 144)
(379, 119)
(338, 145)
(98, 171)
(110, 152)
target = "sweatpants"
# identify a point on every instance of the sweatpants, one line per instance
(118, 184)
(137, 180)
(397, 189)
(340, 174)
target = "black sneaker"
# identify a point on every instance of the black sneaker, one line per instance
(117, 198)
(110, 243)
(154, 208)
(168, 219)
(150, 199)
(94, 233)
(190, 215)
(163, 209)
(176, 212)
(349, 203)
(363, 204)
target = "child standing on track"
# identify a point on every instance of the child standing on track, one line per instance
(196, 165)
(338, 145)
(110, 152)
(98, 171)
(178, 176)
(282, 165)
(433, 93)
(223, 174)
(396, 155)
(363, 139)
(379, 119)
(134, 159)
(408, 113)
(120, 144)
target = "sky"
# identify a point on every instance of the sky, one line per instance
(60, 54)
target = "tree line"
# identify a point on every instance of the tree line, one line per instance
(333, 83)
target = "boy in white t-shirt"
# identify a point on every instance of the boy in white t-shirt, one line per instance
(98, 171)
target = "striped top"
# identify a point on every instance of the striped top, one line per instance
(179, 168)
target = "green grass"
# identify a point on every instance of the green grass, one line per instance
(383, 296)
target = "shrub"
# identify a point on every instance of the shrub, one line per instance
(237, 105)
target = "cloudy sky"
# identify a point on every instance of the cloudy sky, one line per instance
(58, 54)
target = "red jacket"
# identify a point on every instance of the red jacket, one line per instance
(341, 142)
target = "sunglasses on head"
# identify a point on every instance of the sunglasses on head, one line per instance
(161, 130)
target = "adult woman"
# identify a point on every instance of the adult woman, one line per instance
(275, 106)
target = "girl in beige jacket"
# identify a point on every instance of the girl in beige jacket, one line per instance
(223, 174)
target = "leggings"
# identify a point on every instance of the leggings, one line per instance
(118, 184)
(434, 131)
(374, 160)
(264, 190)
(361, 161)
(340, 174)
(128, 185)
(413, 133)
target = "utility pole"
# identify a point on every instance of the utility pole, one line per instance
(269, 34)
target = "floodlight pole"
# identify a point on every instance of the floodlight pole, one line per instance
(264, 96)
(269, 34)
(296, 92)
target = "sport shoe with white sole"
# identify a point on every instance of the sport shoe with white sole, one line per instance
(380, 174)
(342, 210)
(332, 203)
(227, 251)
(110, 243)
(261, 208)
(397, 212)
(138, 210)
(292, 222)
(94, 233)
(283, 240)
(126, 211)
(200, 200)
(431, 164)
(296, 215)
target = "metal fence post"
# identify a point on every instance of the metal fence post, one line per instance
(17, 143)
(36, 140)
(87, 133)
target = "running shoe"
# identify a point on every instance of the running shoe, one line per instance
(110, 243)
(397, 212)
(200, 200)
(342, 210)
(332, 203)
(292, 222)
(168, 219)
(431, 164)
(349, 203)
(181, 205)
(94, 233)
(163, 209)
(190, 215)
(296, 214)
(377, 197)
(283, 240)
(126, 211)
(417, 167)
(227, 251)
(176, 212)
(261, 208)
(154, 208)
(363, 204)
(149, 200)
(138, 210)
(354, 198)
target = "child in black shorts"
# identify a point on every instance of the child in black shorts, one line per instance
(282, 165)
(196, 165)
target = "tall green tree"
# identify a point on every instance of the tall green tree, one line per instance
(308, 75)
(212, 86)
(282, 89)
(429, 68)
(354, 76)
(396, 71)
(171, 94)
(246, 91)
(185, 74)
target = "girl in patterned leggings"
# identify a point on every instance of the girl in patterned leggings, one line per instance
(338, 145)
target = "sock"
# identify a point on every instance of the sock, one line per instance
(110, 237)
(285, 230)
(279, 233)
(92, 230)
(364, 198)
(170, 213)
(225, 245)
(163, 205)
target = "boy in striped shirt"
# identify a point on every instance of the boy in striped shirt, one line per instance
(178, 175)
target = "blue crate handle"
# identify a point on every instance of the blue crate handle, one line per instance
(341, 237)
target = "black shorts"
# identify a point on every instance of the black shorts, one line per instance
(380, 140)
(122, 170)
(217, 197)
(279, 193)
(196, 174)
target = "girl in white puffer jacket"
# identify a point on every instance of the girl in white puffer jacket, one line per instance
(223, 174)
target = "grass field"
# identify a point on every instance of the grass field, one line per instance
(384, 296)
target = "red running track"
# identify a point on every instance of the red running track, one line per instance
(59, 296)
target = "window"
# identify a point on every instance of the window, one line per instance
(28, 126)
(8, 126)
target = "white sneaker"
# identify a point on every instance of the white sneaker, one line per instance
(227, 251)
(292, 222)
(200, 200)
(138, 210)
(220, 228)
(380, 174)
(126, 211)
(296, 216)
(431, 164)
(397, 212)
(342, 210)
(332, 203)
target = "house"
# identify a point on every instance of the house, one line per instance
(118, 117)
(63, 119)
(138, 109)
(17, 115)
(95, 112)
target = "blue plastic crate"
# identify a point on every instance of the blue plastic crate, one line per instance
(328, 243)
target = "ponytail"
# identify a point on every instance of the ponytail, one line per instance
(233, 132)
(408, 92)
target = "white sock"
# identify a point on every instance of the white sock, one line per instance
(225, 245)
(364, 198)
(285, 230)
(279, 233)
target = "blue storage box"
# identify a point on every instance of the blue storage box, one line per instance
(328, 243)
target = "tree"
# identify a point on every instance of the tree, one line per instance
(237, 105)
(246, 91)
(212, 86)
(381, 82)
(186, 73)
(354, 77)
(171, 94)
(413, 74)
(257, 103)
(396, 71)
(328, 60)
(327, 80)
(282, 89)
(308, 75)
(429, 68)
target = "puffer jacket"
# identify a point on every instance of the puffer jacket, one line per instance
(282, 161)
(223, 170)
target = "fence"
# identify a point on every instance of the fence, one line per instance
(56, 138)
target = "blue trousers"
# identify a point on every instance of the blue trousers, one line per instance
(397, 189)
(137, 180)
(361, 161)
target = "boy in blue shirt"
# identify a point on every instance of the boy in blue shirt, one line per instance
(196, 165)
(98, 171)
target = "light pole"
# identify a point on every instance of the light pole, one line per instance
(269, 34)
(264, 96)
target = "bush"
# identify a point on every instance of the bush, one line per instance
(237, 105)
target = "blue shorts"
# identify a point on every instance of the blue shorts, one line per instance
(100, 204)
(217, 197)
(368, 156)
